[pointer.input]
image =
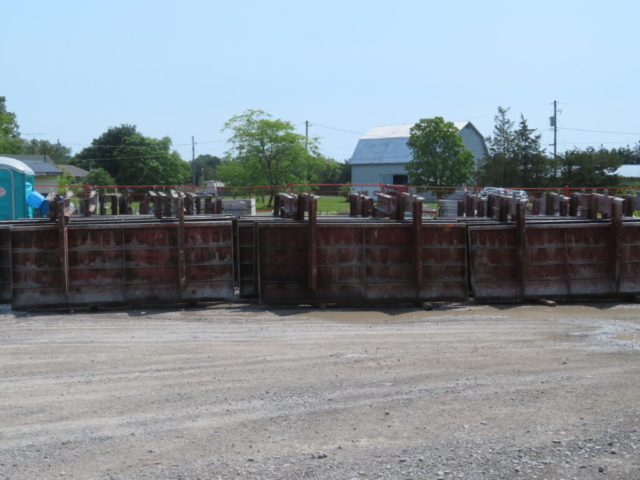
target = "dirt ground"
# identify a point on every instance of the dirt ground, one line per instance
(237, 391)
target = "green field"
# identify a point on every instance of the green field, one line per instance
(326, 205)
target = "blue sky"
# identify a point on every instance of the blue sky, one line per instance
(71, 69)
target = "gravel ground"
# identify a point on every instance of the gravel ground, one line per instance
(238, 391)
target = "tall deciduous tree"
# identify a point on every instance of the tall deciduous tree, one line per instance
(439, 156)
(104, 151)
(99, 177)
(9, 130)
(266, 151)
(150, 161)
(589, 167)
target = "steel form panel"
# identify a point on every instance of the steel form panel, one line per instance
(360, 261)
(555, 260)
(5, 264)
(69, 265)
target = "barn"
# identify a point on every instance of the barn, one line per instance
(382, 154)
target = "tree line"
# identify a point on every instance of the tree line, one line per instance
(267, 151)
(263, 151)
(515, 158)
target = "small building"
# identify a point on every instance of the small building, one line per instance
(76, 172)
(382, 154)
(46, 173)
(631, 172)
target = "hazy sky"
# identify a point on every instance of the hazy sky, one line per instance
(71, 69)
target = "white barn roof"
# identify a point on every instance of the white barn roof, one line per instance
(629, 171)
(388, 144)
(398, 131)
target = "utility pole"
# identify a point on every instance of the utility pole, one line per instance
(306, 136)
(555, 128)
(193, 159)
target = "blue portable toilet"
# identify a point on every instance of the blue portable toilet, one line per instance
(16, 184)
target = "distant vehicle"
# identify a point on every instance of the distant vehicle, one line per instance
(507, 192)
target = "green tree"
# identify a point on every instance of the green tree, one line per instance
(500, 166)
(266, 151)
(56, 151)
(9, 130)
(628, 155)
(439, 156)
(65, 180)
(589, 167)
(207, 164)
(150, 161)
(105, 151)
(99, 177)
(535, 168)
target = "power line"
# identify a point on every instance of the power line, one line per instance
(342, 130)
(600, 108)
(140, 146)
(598, 131)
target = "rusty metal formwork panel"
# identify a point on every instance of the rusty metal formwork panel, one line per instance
(5, 264)
(247, 264)
(361, 261)
(555, 260)
(129, 263)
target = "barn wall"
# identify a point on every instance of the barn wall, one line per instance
(375, 174)
(474, 143)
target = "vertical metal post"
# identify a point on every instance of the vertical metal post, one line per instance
(417, 244)
(482, 207)
(616, 236)
(504, 210)
(353, 205)
(367, 207)
(64, 248)
(592, 206)
(182, 276)
(401, 205)
(302, 199)
(313, 244)
(521, 238)
(276, 205)
(536, 207)
(468, 206)
(574, 203)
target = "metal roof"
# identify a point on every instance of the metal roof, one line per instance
(37, 163)
(75, 171)
(398, 131)
(629, 171)
(16, 165)
(30, 157)
(388, 144)
(42, 168)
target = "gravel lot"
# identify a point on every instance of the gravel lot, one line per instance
(238, 391)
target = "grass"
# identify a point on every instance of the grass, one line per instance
(326, 205)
